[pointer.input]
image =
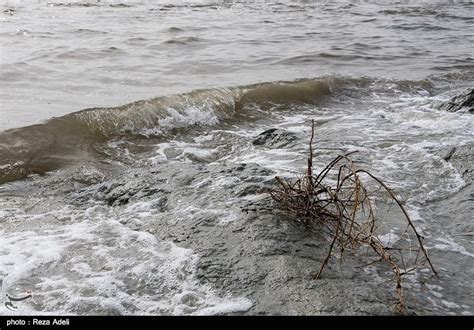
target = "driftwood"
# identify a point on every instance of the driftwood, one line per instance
(337, 202)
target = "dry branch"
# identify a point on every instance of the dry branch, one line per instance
(345, 211)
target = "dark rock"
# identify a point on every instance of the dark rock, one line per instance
(447, 153)
(460, 102)
(121, 191)
(462, 159)
(275, 138)
(88, 175)
(453, 211)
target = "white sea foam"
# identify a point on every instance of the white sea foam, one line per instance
(449, 245)
(190, 116)
(434, 290)
(182, 152)
(100, 266)
(450, 304)
(389, 239)
(282, 161)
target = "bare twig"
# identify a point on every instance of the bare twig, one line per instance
(346, 214)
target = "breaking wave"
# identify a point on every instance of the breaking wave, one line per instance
(64, 140)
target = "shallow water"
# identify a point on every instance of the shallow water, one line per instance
(87, 198)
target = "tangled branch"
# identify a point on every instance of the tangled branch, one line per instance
(338, 202)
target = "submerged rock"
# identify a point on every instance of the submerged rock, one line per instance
(460, 102)
(275, 138)
(462, 159)
(456, 210)
(130, 188)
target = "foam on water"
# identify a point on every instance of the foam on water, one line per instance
(436, 178)
(403, 140)
(99, 266)
(388, 240)
(183, 152)
(279, 160)
(449, 245)
(192, 115)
